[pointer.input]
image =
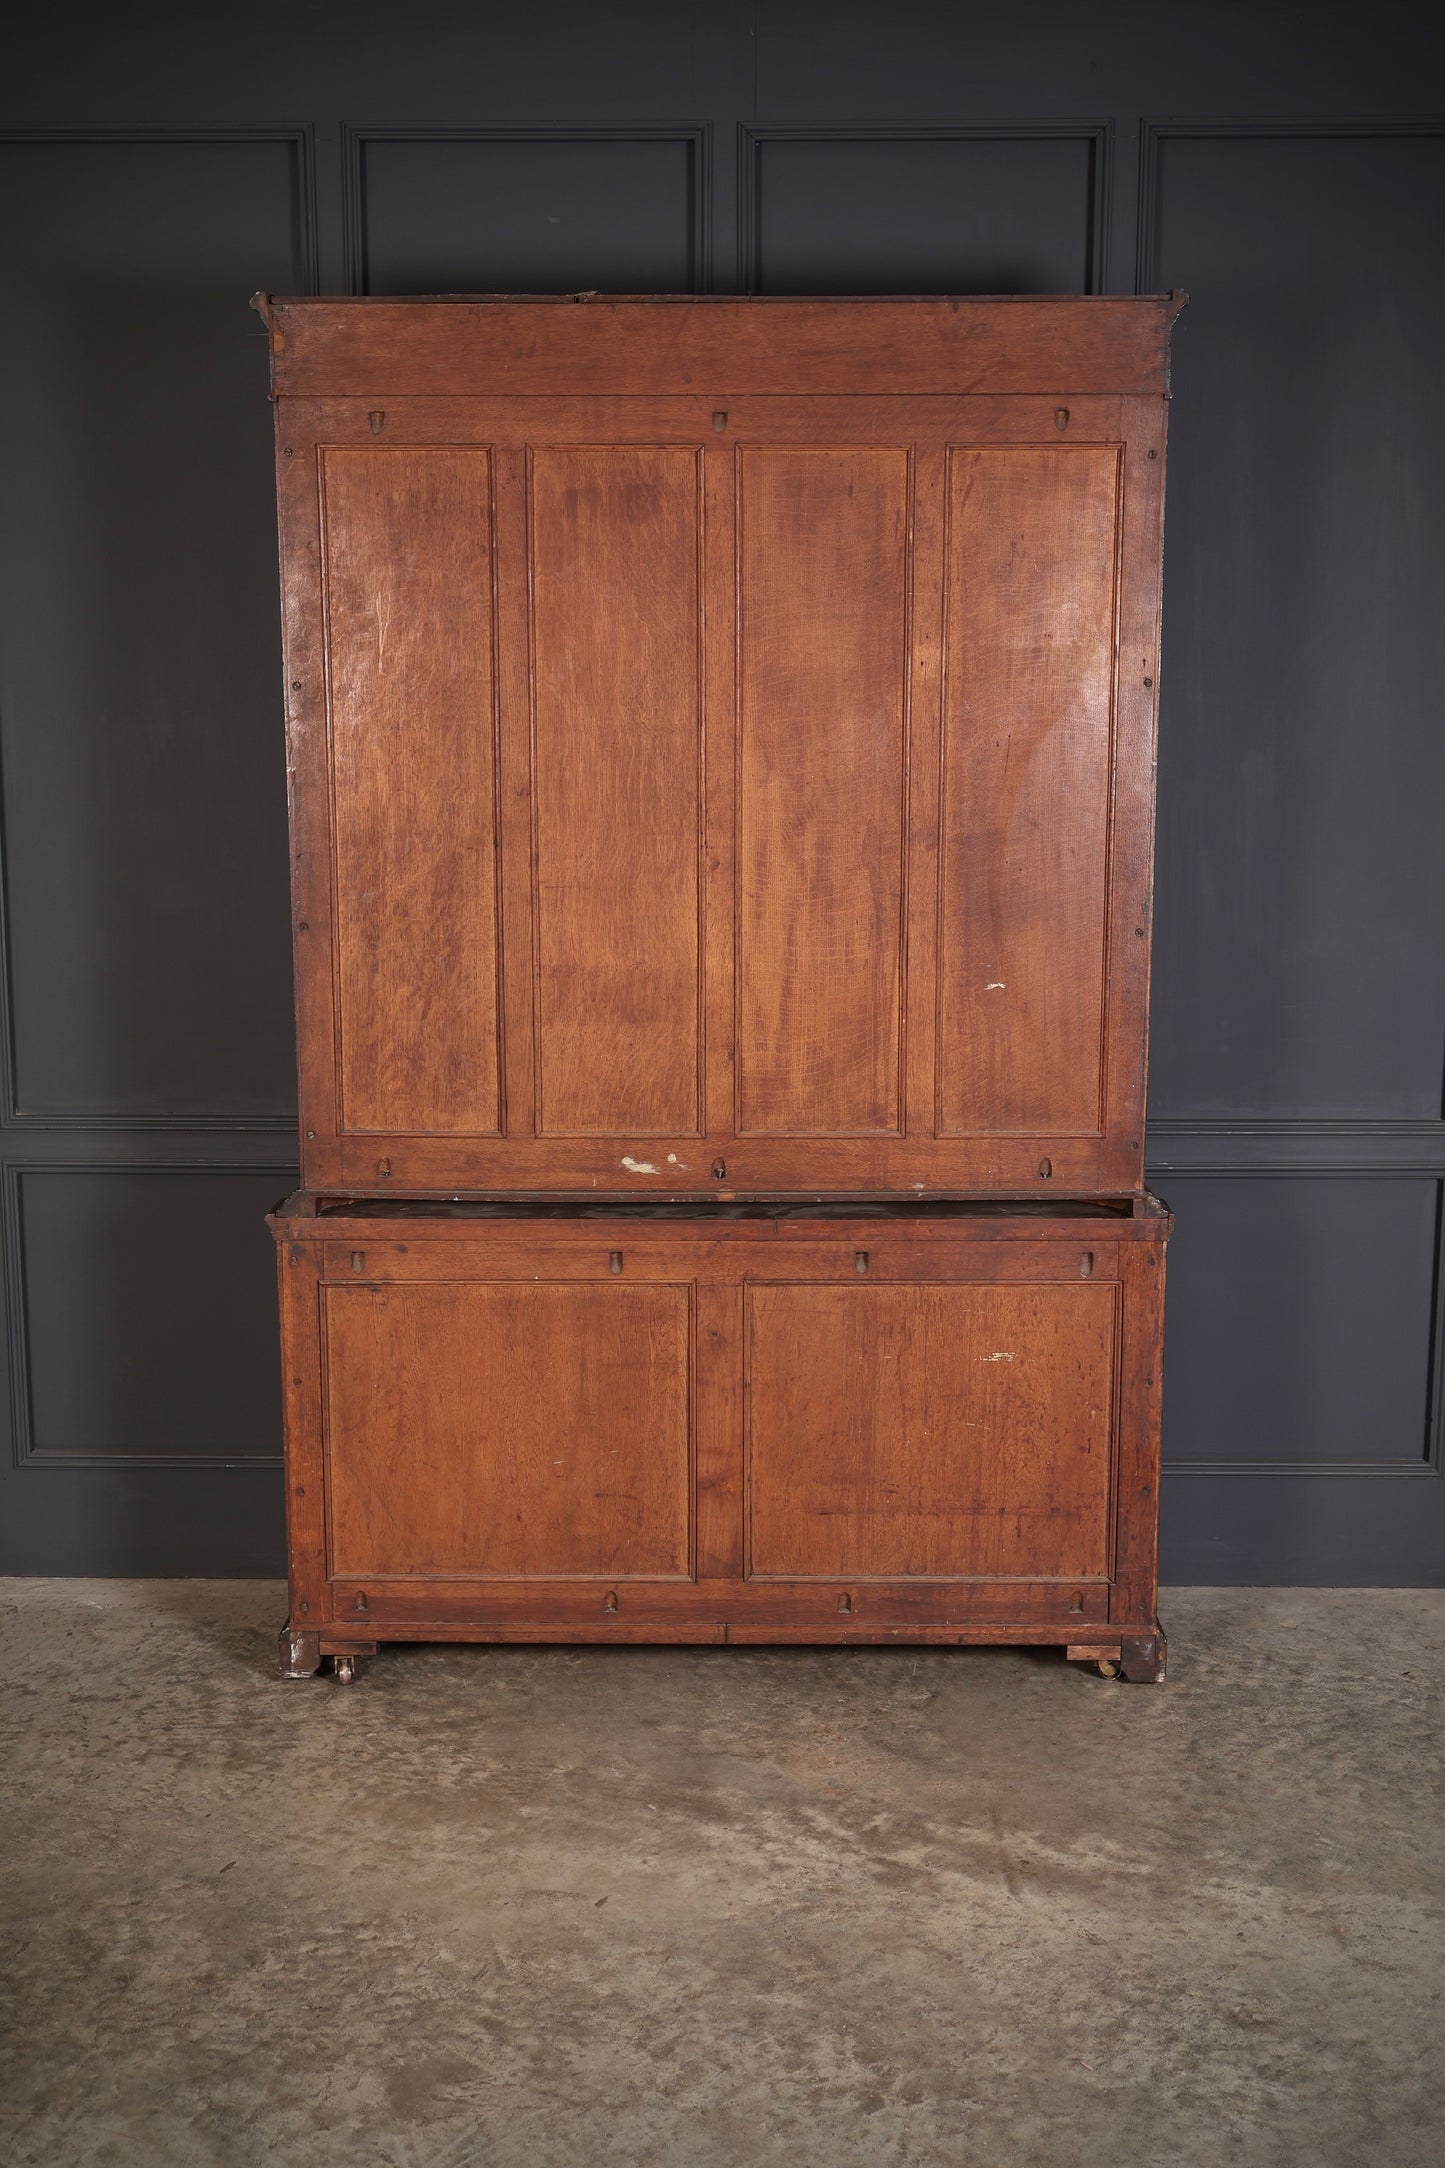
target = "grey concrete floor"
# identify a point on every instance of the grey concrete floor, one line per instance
(721, 1907)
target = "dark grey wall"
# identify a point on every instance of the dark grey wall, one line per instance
(159, 163)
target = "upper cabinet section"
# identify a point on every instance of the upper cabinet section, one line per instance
(721, 741)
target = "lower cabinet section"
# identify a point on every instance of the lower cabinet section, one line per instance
(760, 1423)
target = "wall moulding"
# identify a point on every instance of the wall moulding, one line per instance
(24, 1450)
(358, 136)
(1097, 135)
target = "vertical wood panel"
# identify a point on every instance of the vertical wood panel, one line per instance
(1026, 787)
(823, 634)
(409, 602)
(617, 763)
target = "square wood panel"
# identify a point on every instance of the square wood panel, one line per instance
(503, 1429)
(930, 1430)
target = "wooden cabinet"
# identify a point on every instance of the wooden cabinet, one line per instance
(721, 741)
(513, 1423)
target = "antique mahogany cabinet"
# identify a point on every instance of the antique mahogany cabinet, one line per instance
(721, 752)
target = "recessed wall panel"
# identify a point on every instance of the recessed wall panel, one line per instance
(910, 212)
(147, 1302)
(1300, 1319)
(1301, 885)
(140, 700)
(552, 213)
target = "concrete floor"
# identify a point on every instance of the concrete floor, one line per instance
(721, 1907)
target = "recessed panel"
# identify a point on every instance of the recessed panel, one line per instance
(413, 737)
(1301, 758)
(1028, 738)
(149, 1308)
(144, 763)
(617, 783)
(503, 1429)
(1300, 1319)
(823, 628)
(536, 215)
(929, 1430)
(915, 213)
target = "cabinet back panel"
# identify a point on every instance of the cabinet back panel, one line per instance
(617, 737)
(508, 1429)
(408, 562)
(1029, 679)
(929, 1429)
(822, 637)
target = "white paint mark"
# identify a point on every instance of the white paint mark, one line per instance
(1000, 1355)
(994, 986)
(674, 1161)
(637, 1166)
(918, 1185)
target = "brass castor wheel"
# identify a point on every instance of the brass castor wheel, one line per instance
(1107, 1668)
(345, 1669)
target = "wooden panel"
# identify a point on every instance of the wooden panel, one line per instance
(823, 597)
(1029, 670)
(409, 603)
(672, 345)
(929, 1430)
(618, 748)
(508, 1429)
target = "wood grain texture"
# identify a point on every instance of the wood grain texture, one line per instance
(688, 1359)
(525, 1429)
(822, 640)
(617, 728)
(929, 1430)
(650, 1103)
(307, 1563)
(1027, 770)
(408, 562)
(372, 348)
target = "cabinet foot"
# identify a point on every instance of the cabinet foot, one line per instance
(300, 1653)
(1142, 1657)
